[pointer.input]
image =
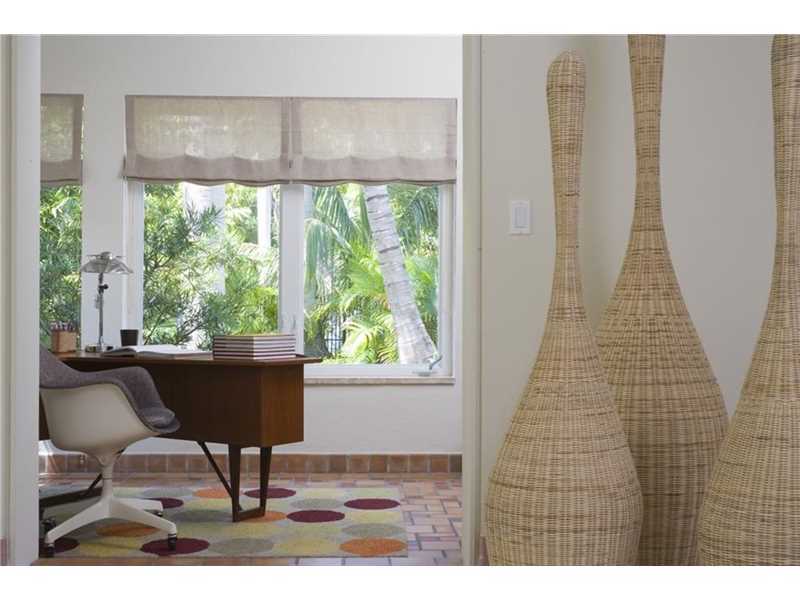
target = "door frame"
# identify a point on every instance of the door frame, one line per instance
(470, 160)
(22, 350)
(23, 315)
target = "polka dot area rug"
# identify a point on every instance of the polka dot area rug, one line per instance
(299, 522)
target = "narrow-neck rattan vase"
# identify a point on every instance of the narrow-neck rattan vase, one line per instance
(564, 488)
(751, 515)
(667, 396)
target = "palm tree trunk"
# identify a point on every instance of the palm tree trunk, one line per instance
(414, 343)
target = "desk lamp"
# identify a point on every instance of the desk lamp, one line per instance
(103, 263)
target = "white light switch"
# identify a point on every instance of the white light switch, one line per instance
(520, 218)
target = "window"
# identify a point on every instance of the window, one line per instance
(210, 262)
(235, 259)
(357, 238)
(60, 211)
(320, 245)
(60, 257)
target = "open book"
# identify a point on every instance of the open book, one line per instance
(155, 351)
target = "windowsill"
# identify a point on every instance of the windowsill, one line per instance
(373, 380)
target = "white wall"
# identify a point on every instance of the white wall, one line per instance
(717, 188)
(105, 69)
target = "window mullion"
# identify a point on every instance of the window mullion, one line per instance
(292, 260)
(446, 265)
(134, 256)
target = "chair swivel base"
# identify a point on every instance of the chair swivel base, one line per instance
(111, 507)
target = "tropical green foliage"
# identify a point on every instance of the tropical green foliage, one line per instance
(198, 283)
(344, 284)
(202, 278)
(60, 252)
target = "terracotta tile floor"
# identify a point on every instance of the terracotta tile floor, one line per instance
(431, 507)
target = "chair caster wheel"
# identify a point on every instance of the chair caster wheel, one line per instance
(49, 550)
(172, 542)
(48, 524)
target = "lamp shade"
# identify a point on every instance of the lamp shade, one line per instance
(105, 262)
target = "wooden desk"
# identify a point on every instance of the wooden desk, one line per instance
(241, 403)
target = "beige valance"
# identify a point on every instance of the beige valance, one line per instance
(206, 140)
(61, 123)
(264, 141)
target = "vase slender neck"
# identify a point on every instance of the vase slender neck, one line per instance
(567, 186)
(567, 273)
(786, 118)
(566, 88)
(646, 54)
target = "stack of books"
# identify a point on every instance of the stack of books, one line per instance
(260, 346)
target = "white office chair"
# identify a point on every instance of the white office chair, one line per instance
(100, 414)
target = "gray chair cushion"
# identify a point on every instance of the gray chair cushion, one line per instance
(135, 383)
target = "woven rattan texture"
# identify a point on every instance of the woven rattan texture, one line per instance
(667, 396)
(752, 511)
(564, 489)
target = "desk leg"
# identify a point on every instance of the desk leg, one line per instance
(235, 464)
(220, 475)
(234, 487)
(235, 461)
(265, 459)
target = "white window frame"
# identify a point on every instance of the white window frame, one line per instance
(444, 346)
(291, 260)
(133, 205)
(291, 313)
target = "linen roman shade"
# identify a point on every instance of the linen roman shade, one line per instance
(373, 140)
(206, 140)
(265, 141)
(61, 127)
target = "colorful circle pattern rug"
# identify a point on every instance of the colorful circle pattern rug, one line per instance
(299, 522)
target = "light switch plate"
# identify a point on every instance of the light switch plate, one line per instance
(520, 218)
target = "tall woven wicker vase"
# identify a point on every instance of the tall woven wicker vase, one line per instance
(751, 515)
(667, 396)
(564, 489)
